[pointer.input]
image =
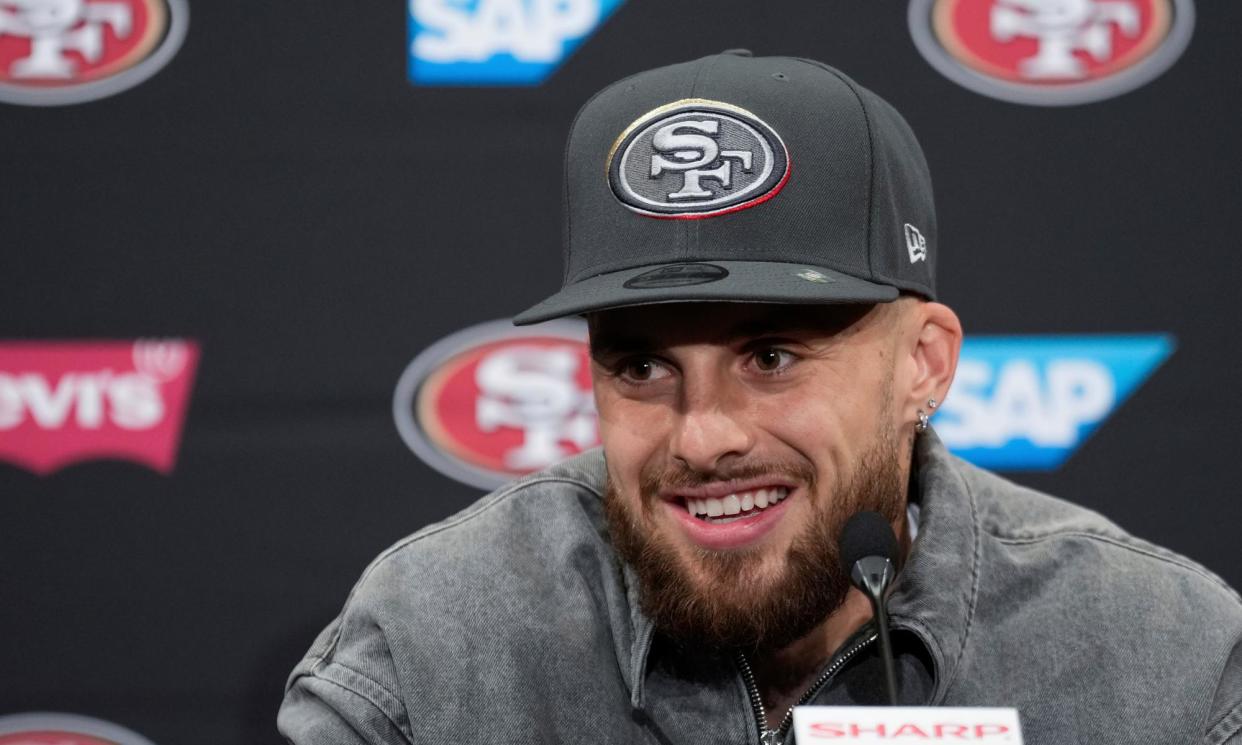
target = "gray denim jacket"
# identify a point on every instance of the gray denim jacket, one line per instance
(514, 622)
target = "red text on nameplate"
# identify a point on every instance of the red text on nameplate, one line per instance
(877, 725)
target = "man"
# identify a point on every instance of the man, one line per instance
(751, 241)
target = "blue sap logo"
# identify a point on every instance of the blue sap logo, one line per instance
(1026, 403)
(497, 42)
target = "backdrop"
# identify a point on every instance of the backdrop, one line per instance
(217, 276)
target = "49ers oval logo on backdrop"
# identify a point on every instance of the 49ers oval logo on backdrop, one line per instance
(494, 402)
(1051, 52)
(56, 52)
(64, 729)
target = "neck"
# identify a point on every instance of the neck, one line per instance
(784, 675)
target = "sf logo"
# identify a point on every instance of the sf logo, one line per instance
(691, 149)
(57, 27)
(1061, 28)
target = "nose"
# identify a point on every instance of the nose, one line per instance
(709, 433)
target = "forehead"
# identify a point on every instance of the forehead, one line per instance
(672, 324)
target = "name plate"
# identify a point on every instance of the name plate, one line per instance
(880, 725)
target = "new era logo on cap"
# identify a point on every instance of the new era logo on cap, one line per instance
(696, 158)
(916, 244)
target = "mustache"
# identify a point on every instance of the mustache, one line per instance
(654, 479)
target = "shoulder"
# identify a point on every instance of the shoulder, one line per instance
(453, 601)
(1029, 522)
(1068, 595)
(546, 511)
(505, 547)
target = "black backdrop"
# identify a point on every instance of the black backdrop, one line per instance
(282, 194)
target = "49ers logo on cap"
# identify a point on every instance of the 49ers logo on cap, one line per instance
(697, 158)
(1051, 52)
(494, 402)
(55, 52)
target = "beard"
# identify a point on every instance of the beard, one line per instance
(732, 599)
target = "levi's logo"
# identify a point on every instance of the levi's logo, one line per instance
(66, 402)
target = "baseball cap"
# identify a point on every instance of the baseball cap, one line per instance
(741, 179)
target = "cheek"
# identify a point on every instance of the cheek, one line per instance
(632, 434)
(826, 425)
(804, 419)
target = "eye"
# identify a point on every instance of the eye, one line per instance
(641, 370)
(772, 359)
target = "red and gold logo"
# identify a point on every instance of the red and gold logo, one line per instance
(494, 402)
(1051, 52)
(64, 729)
(55, 52)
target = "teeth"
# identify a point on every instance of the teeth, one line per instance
(735, 504)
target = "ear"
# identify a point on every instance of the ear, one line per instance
(935, 340)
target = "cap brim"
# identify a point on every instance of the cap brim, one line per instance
(724, 281)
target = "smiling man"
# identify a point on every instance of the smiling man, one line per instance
(751, 242)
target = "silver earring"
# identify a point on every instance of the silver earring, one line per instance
(932, 404)
(921, 425)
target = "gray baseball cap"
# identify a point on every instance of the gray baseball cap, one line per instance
(742, 179)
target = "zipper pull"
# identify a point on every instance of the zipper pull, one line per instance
(770, 737)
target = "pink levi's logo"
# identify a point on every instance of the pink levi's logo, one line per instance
(69, 401)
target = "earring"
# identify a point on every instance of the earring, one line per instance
(932, 404)
(921, 425)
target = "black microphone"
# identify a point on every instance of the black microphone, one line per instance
(869, 554)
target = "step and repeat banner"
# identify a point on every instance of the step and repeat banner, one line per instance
(258, 261)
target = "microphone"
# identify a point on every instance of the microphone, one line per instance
(869, 555)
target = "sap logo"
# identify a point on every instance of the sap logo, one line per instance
(497, 42)
(1027, 403)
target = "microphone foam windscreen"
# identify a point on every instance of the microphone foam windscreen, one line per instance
(867, 534)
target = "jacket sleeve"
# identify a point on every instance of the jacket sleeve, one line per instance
(338, 706)
(1225, 721)
(335, 695)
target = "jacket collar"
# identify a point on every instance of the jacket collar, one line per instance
(934, 595)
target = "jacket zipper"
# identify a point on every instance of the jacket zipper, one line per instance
(775, 736)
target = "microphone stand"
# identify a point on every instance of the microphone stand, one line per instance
(873, 575)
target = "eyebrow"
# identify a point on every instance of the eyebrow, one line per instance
(604, 343)
(608, 344)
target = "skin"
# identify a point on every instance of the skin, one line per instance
(712, 387)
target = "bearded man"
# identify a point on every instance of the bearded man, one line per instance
(751, 241)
